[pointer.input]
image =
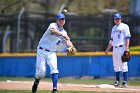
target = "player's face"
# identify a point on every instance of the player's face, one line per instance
(117, 21)
(61, 22)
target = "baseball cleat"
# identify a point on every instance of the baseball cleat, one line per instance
(124, 85)
(116, 84)
(55, 91)
(34, 88)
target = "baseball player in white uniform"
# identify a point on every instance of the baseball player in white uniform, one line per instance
(120, 38)
(46, 51)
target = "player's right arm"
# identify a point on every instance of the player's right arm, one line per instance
(56, 32)
(109, 46)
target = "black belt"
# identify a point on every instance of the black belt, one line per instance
(118, 46)
(44, 49)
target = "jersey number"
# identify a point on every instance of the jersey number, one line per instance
(118, 36)
(58, 42)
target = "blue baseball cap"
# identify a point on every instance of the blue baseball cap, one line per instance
(117, 16)
(59, 16)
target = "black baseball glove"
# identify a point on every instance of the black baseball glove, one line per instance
(126, 56)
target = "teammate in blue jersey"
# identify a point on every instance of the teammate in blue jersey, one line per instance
(46, 51)
(120, 39)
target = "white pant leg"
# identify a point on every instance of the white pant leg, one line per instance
(124, 64)
(117, 62)
(52, 62)
(124, 67)
(40, 64)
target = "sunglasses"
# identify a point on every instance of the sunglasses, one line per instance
(117, 18)
(62, 19)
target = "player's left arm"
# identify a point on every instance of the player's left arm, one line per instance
(69, 43)
(66, 41)
(127, 44)
(127, 38)
(70, 49)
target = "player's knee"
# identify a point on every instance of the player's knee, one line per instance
(41, 74)
(124, 70)
(116, 69)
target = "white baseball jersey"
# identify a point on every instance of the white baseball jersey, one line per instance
(119, 35)
(50, 41)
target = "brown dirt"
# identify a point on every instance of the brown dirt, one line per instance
(26, 85)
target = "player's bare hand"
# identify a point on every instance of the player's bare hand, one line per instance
(106, 52)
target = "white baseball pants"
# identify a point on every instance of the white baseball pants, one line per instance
(43, 58)
(117, 62)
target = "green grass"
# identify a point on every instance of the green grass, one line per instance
(85, 81)
(135, 48)
(47, 91)
(135, 82)
(22, 79)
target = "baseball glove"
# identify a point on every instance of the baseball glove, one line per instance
(126, 56)
(71, 51)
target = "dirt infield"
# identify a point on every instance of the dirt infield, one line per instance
(26, 85)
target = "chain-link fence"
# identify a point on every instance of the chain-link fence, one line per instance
(88, 33)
